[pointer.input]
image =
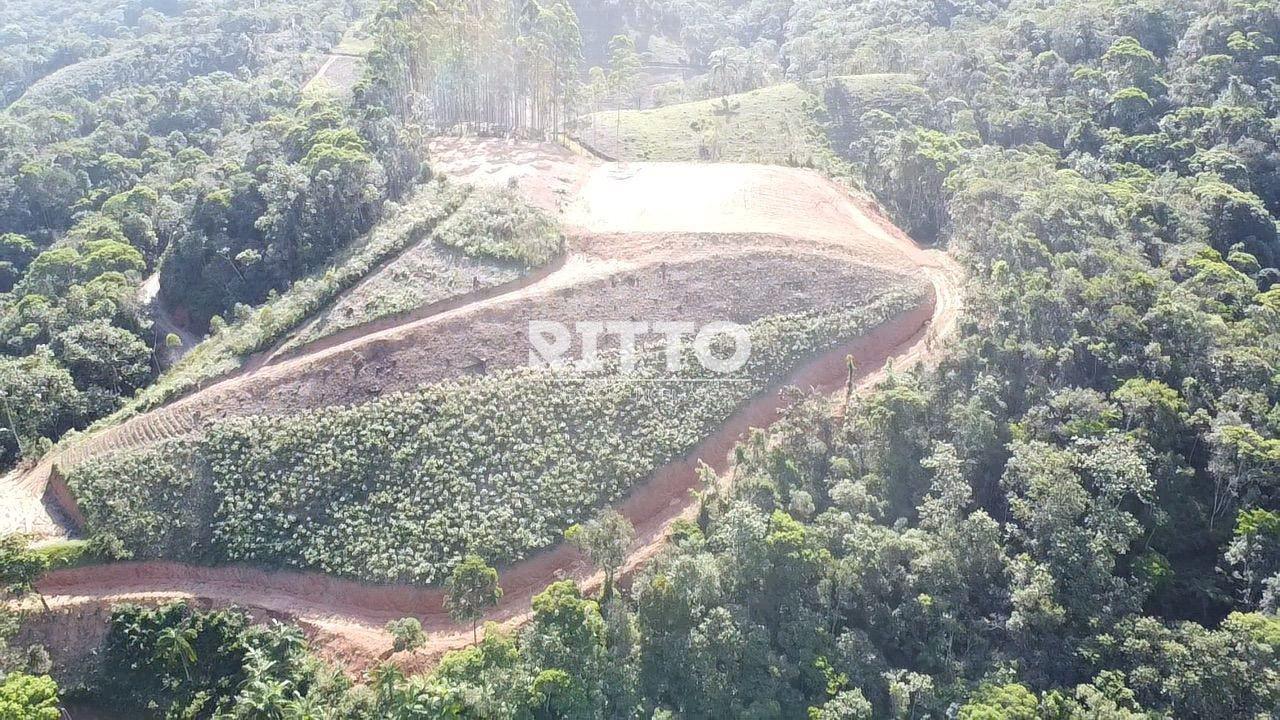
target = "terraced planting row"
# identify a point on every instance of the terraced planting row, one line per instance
(491, 239)
(156, 426)
(399, 488)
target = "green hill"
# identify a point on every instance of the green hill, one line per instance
(787, 124)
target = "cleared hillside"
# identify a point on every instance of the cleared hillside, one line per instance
(388, 488)
(651, 241)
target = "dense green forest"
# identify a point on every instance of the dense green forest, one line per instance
(1074, 515)
(165, 137)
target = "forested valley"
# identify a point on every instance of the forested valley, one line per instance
(1074, 513)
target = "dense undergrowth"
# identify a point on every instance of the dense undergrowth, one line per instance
(499, 225)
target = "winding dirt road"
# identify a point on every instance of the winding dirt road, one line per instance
(345, 619)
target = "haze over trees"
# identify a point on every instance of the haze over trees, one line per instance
(509, 66)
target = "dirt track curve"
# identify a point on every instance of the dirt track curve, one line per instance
(345, 619)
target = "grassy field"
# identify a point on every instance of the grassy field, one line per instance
(778, 125)
(788, 124)
(355, 41)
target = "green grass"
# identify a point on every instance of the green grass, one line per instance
(787, 124)
(68, 554)
(779, 125)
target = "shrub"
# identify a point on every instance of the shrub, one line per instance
(406, 634)
(498, 225)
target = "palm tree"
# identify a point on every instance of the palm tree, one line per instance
(174, 647)
(723, 70)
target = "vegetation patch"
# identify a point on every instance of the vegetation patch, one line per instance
(806, 125)
(401, 488)
(68, 554)
(147, 504)
(496, 224)
(780, 125)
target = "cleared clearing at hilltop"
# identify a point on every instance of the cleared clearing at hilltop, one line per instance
(395, 487)
(783, 124)
(641, 244)
(818, 267)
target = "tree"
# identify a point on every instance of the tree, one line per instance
(624, 73)
(725, 71)
(605, 541)
(472, 588)
(406, 634)
(845, 705)
(99, 353)
(108, 255)
(52, 271)
(1001, 702)
(21, 567)
(565, 642)
(26, 697)
(38, 398)
(174, 647)
(16, 253)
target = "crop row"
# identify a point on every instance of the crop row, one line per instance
(400, 488)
